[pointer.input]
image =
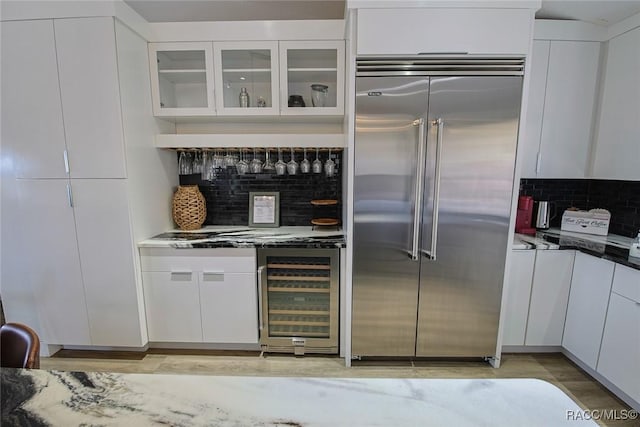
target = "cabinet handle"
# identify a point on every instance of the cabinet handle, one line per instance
(66, 161)
(260, 321)
(70, 195)
(181, 276)
(538, 162)
(213, 276)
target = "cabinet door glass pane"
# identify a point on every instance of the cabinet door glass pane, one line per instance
(249, 69)
(312, 74)
(183, 79)
(299, 296)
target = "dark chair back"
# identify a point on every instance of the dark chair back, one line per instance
(19, 346)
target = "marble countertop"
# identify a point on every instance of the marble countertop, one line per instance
(611, 247)
(245, 237)
(39, 397)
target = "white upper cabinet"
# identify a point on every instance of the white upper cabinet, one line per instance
(413, 31)
(289, 78)
(529, 146)
(313, 70)
(560, 110)
(31, 108)
(182, 78)
(88, 72)
(61, 99)
(618, 148)
(250, 67)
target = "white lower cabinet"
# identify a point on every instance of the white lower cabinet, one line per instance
(228, 307)
(53, 272)
(172, 306)
(549, 296)
(620, 350)
(518, 293)
(201, 295)
(587, 308)
(84, 283)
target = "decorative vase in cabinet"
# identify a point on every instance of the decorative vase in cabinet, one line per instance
(189, 207)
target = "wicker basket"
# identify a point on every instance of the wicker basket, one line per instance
(189, 207)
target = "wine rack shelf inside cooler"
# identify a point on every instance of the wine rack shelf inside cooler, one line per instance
(299, 296)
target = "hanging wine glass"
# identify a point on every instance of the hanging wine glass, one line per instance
(229, 160)
(317, 164)
(305, 165)
(208, 167)
(292, 165)
(329, 166)
(217, 160)
(197, 162)
(281, 167)
(185, 163)
(242, 167)
(256, 163)
(268, 165)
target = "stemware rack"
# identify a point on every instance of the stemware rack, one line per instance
(309, 195)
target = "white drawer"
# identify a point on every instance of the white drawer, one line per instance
(219, 260)
(626, 282)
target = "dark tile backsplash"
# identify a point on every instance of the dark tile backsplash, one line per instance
(228, 195)
(621, 198)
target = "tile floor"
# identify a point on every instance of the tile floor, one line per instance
(554, 368)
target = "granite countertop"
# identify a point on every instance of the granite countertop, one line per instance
(245, 237)
(611, 247)
(40, 397)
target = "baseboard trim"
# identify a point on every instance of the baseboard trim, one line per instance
(531, 349)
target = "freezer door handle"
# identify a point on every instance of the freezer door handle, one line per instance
(431, 253)
(417, 213)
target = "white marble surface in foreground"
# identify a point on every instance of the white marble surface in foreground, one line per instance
(68, 399)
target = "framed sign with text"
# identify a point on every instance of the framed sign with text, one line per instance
(264, 209)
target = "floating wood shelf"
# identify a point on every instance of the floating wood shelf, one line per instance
(325, 221)
(324, 202)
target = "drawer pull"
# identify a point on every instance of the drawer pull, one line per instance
(181, 276)
(210, 276)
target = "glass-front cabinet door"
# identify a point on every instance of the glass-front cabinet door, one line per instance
(182, 78)
(246, 76)
(312, 77)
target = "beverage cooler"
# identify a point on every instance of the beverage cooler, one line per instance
(298, 300)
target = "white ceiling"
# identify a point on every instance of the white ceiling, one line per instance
(601, 12)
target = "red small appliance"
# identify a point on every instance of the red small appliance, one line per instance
(524, 215)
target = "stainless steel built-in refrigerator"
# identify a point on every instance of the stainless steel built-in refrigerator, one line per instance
(435, 149)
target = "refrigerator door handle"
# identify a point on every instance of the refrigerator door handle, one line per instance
(431, 253)
(417, 214)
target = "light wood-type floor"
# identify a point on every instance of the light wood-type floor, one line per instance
(554, 368)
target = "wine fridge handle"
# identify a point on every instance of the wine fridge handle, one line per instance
(260, 319)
